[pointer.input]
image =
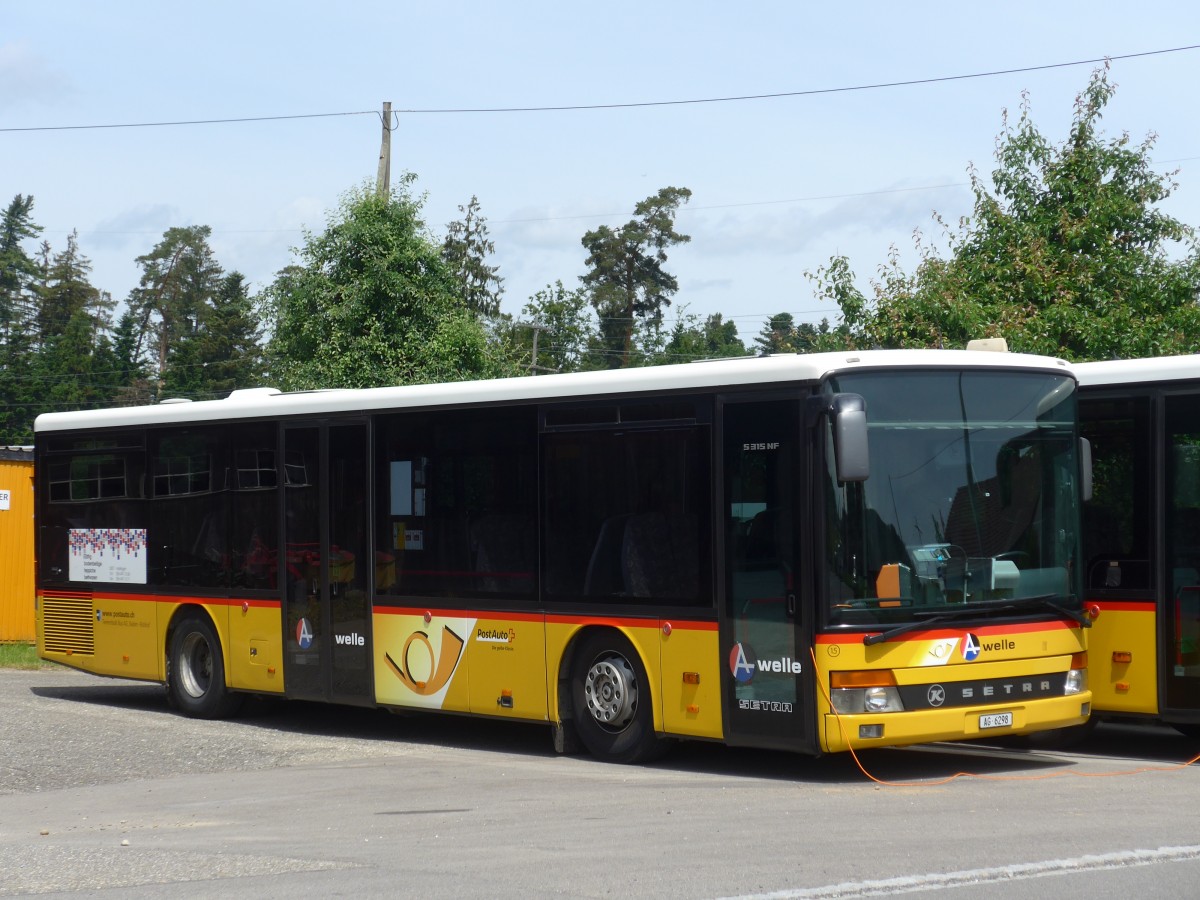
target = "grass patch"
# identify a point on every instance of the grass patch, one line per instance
(19, 655)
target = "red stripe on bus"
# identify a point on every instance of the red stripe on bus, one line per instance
(553, 619)
(456, 613)
(1142, 606)
(685, 624)
(257, 602)
(940, 633)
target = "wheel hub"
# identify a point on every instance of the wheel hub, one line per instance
(195, 669)
(611, 692)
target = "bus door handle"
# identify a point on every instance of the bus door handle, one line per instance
(791, 605)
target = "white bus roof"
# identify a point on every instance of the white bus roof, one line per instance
(1137, 371)
(734, 373)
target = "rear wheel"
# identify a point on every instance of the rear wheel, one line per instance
(610, 697)
(196, 672)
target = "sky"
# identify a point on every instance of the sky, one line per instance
(884, 108)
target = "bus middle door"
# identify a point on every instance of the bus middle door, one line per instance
(327, 622)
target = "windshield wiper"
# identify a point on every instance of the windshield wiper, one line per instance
(882, 636)
(1047, 600)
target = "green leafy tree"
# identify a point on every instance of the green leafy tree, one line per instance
(554, 332)
(1067, 253)
(372, 302)
(465, 251)
(627, 283)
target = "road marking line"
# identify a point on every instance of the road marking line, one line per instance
(1015, 872)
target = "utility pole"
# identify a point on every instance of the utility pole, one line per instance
(537, 330)
(383, 179)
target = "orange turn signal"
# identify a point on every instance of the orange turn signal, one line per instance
(869, 678)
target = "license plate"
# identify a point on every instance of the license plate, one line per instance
(996, 720)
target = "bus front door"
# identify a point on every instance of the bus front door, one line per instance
(327, 631)
(764, 633)
(1180, 622)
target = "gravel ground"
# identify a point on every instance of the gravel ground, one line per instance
(63, 729)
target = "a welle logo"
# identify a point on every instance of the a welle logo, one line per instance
(354, 639)
(972, 646)
(744, 664)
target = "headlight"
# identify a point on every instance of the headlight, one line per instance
(855, 701)
(882, 699)
(1077, 680)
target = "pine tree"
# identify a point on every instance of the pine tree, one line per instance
(627, 283)
(465, 251)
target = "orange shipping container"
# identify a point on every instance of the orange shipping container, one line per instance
(16, 544)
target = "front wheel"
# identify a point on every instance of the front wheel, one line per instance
(196, 672)
(611, 702)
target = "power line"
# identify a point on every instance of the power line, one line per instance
(778, 95)
(806, 93)
(191, 122)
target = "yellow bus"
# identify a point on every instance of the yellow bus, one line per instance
(809, 552)
(1142, 536)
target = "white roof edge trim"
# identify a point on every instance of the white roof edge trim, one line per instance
(734, 373)
(1138, 371)
(254, 392)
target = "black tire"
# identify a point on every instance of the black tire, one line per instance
(610, 700)
(196, 672)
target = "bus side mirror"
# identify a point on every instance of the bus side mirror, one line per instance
(1085, 467)
(848, 420)
(850, 437)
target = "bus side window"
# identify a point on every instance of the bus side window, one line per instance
(502, 552)
(1116, 521)
(604, 576)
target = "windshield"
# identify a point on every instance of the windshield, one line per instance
(971, 502)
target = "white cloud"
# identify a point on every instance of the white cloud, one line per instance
(26, 79)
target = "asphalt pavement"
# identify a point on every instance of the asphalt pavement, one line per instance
(105, 791)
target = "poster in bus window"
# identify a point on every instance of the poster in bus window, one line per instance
(109, 555)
